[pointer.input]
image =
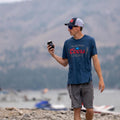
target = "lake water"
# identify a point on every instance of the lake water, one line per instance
(28, 99)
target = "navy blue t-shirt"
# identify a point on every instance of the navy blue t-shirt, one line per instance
(79, 53)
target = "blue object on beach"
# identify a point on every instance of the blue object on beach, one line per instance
(45, 105)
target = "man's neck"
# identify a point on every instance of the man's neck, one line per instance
(78, 36)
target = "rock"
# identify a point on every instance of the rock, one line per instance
(26, 117)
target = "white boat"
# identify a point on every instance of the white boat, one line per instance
(102, 109)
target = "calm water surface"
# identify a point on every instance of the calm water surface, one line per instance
(28, 99)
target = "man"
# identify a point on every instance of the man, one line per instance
(77, 52)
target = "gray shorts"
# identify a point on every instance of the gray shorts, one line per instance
(81, 94)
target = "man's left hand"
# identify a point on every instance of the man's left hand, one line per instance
(101, 85)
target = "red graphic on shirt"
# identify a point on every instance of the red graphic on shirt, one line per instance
(75, 51)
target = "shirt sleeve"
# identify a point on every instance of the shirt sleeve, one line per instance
(94, 49)
(64, 54)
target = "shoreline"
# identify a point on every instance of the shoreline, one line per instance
(39, 114)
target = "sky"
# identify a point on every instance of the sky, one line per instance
(10, 1)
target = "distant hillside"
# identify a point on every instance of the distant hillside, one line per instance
(34, 22)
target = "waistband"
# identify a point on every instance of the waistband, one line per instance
(82, 83)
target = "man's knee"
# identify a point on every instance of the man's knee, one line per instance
(90, 111)
(77, 113)
(77, 110)
(89, 114)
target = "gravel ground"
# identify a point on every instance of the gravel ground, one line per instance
(38, 114)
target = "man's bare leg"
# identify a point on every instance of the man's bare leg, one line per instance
(77, 114)
(89, 114)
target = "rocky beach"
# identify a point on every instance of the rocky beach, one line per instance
(38, 114)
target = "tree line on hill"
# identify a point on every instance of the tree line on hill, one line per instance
(20, 77)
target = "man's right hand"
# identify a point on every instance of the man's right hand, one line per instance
(51, 50)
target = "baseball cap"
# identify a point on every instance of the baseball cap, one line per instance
(75, 22)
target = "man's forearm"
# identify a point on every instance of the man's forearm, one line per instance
(60, 60)
(98, 70)
(97, 67)
(99, 73)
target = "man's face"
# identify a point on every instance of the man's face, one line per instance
(73, 30)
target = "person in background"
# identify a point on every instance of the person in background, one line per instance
(78, 52)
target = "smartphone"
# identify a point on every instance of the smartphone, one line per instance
(50, 43)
